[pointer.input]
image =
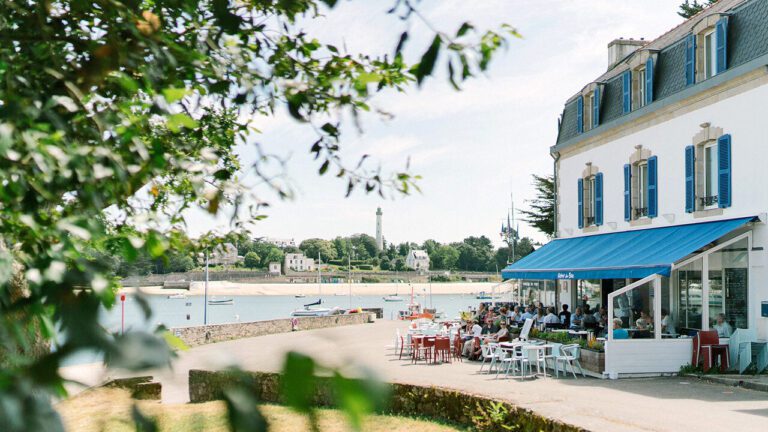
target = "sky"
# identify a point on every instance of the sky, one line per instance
(475, 148)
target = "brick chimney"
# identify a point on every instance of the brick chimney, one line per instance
(620, 48)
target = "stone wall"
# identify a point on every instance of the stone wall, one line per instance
(200, 335)
(448, 405)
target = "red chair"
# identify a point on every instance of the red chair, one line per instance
(426, 347)
(443, 349)
(707, 346)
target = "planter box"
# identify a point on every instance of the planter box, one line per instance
(593, 361)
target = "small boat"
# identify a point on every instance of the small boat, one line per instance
(299, 296)
(339, 294)
(309, 311)
(392, 298)
(484, 296)
(221, 302)
(177, 296)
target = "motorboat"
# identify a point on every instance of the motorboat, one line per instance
(177, 296)
(299, 296)
(309, 311)
(392, 298)
(484, 296)
(221, 302)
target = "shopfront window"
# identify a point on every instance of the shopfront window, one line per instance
(588, 293)
(689, 294)
(728, 274)
(634, 309)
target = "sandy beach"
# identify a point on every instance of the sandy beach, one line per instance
(251, 289)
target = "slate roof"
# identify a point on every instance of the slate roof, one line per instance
(747, 40)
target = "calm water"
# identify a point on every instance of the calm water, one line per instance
(189, 311)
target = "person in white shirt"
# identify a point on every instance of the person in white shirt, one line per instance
(724, 329)
(551, 318)
(477, 330)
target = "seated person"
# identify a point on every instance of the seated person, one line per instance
(551, 318)
(565, 316)
(642, 331)
(589, 322)
(476, 332)
(648, 319)
(514, 315)
(601, 316)
(724, 329)
(576, 319)
(539, 318)
(501, 335)
(527, 314)
(618, 332)
(667, 326)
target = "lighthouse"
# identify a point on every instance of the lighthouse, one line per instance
(379, 237)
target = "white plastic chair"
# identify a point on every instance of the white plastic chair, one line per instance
(488, 353)
(569, 356)
(503, 356)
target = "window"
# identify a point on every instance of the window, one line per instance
(689, 299)
(642, 188)
(710, 54)
(638, 88)
(589, 201)
(588, 104)
(710, 176)
(728, 282)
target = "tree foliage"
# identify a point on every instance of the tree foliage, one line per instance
(251, 260)
(542, 208)
(116, 117)
(690, 8)
(318, 248)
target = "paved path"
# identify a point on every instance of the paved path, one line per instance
(648, 404)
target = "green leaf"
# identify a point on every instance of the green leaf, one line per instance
(298, 383)
(174, 342)
(143, 422)
(427, 63)
(243, 411)
(172, 94)
(177, 121)
(324, 167)
(465, 27)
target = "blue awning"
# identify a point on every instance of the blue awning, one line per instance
(627, 254)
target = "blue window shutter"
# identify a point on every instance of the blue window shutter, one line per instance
(690, 177)
(724, 171)
(596, 107)
(581, 202)
(627, 91)
(653, 189)
(690, 59)
(721, 34)
(627, 192)
(649, 81)
(599, 199)
(580, 115)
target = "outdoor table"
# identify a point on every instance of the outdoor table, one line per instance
(532, 353)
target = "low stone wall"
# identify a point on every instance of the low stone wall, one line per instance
(142, 387)
(200, 335)
(467, 410)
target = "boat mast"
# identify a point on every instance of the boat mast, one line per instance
(319, 277)
(349, 279)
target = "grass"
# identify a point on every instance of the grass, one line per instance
(107, 409)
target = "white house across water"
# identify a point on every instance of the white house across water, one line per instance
(661, 168)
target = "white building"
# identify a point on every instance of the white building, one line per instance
(660, 168)
(225, 254)
(298, 262)
(274, 268)
(417, 260)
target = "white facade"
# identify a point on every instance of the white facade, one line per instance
(279, 242)
(274, 268)
(417, 260)
(298, 262)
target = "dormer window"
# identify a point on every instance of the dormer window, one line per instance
(588, 108)
(637, 81)
(706, 49)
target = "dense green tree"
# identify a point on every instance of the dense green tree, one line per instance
(386, 264)
(444, 257)
(251, 260)
(364, 246)
(503, 255)
(342, 245)
(274, 255)
(542, 208)
(318, 247)
(430, 246)
(690, 8)
(133, 106)
(399, 264)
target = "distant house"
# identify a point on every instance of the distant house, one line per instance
(274, 268)
(225, 254)
(279, 242)
(417, 260)
(298, 262)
